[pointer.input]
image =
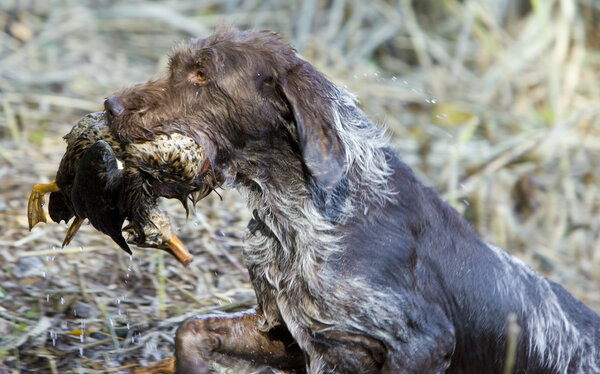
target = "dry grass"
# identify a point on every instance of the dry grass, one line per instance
(496, 106)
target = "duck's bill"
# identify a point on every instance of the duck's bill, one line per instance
(172, 245)
(155, 232)
(177, 249)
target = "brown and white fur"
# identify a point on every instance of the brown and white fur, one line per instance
(357, 267)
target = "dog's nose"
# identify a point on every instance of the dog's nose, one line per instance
(113, 107)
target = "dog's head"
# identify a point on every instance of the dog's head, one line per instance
(239, 93)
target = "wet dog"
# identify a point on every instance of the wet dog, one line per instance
(357, 267)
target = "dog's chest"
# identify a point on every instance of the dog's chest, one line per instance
(284, 281)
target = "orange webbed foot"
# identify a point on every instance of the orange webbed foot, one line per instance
(35, 206)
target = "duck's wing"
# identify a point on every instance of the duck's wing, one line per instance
(96, 189)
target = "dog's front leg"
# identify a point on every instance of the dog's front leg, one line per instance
(229, 339)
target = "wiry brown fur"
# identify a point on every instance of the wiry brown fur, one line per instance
(357, 267)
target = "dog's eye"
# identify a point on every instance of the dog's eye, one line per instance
(201, 76)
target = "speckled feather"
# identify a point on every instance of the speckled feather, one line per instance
(172, 165)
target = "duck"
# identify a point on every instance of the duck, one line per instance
(108, 182)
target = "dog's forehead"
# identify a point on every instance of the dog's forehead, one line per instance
(224, 46)
(185, 55)
(200, 52)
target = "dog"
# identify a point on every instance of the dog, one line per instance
(357, 267)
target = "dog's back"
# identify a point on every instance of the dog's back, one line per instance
(423, 251)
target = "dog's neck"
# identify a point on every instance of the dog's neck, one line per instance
(300, 226)
(288, 199)
(305, 219)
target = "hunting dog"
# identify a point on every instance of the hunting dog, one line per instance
(357, 267)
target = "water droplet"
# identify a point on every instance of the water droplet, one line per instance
(80, 249)
(62, 300)
(43, 274)
(81, 351)
(47, 298)
(112, 323)
(128, 327)
(466, 202)
(433, 101)
(394, 79)
(54, 248)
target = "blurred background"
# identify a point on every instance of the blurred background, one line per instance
(495, 104)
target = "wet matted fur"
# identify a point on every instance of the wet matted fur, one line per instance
(357, 267)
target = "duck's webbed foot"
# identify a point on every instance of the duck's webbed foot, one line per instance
(37, 199)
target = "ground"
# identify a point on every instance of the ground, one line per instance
(496, 107)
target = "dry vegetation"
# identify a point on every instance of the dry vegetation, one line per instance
(496, 106)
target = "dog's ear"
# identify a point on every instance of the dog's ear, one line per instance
(311, 97)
